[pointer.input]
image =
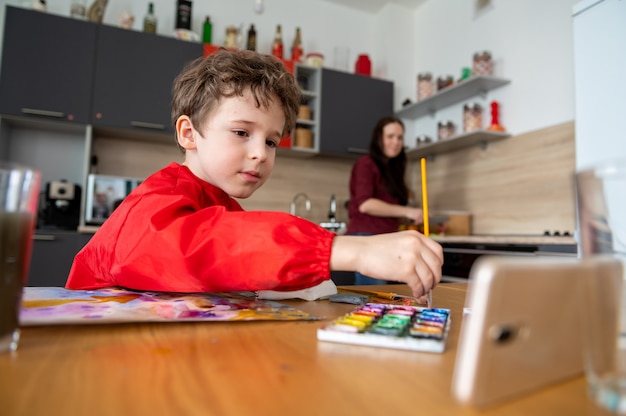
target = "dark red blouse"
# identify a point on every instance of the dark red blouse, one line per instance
(366, 182)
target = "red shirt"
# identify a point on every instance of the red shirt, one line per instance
(177, 233)
(365, 183)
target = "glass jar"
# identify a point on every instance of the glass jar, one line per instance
(422, 140)
(445, 130)
(472, 117)
(425, 86)
(483, 64)
(231, 37)
(444, 82)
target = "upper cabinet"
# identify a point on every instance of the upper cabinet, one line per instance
(338, 112)
(134, 73)
(351, 107)
(47, 66)
(55, 67)
(472, 87)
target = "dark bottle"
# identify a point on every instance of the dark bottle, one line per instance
(183, 14)
(251, 45)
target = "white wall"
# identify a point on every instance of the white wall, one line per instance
(531, 41)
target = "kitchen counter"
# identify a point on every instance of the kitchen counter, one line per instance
(507, 239)
(461, 251)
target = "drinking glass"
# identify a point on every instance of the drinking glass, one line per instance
(601, 203)
(19, 195)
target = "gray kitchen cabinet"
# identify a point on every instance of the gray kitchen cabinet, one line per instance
(134, 72)
(350, 107)
(52, 256)
(47, 66)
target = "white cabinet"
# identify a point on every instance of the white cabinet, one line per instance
(455, 94)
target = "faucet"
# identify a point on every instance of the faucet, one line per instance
(332, 214)
(333, 224)
(307, 203)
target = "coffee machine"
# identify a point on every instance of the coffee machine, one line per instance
(61, 208)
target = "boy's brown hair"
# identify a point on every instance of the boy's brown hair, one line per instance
(203, 82)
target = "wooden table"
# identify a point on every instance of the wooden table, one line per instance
(245, 368)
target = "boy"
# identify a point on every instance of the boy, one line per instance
(182, 231)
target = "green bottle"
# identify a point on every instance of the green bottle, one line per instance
(206, 30)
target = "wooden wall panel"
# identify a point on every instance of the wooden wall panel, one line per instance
(519, 185)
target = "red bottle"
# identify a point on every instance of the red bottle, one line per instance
(363, 65)
(277, 45)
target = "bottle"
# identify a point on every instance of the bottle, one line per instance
(277, 45)
(183, 14)
(251, 45)
(296, 48)
(207, 29)
(150, 20)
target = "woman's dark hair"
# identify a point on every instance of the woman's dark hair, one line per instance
(392, 170)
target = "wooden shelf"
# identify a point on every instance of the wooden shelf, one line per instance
(455, 143)
(451, 95)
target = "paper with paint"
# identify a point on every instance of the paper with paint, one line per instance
(56, 305)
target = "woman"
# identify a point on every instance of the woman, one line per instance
(378, 191)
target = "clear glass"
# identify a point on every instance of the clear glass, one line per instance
(19, 195)
(601, 194)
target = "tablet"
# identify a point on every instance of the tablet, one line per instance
(522, 328)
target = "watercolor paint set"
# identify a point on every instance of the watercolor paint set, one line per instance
(391, 326)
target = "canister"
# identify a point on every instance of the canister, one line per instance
(422, 140)
(472, 117)
(363, 65)
(315, 59)
(304, 113)
(483, 64)
(445, 129)
(425, 86)
(304, 137)
(444, 82)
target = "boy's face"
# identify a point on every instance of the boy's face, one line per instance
(236, 148)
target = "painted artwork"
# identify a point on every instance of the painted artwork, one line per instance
(56, 305)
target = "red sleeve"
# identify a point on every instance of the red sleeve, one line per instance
(175, 247)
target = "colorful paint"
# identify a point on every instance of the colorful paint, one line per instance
(391, 326)
(55, 305)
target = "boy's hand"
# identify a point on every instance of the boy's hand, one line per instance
(405, 256)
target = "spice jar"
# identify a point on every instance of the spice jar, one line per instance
(483, 64)
(472, 117)
(425, 86)
(445, 130)
(444, 82)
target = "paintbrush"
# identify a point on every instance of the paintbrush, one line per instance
(382, 295)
